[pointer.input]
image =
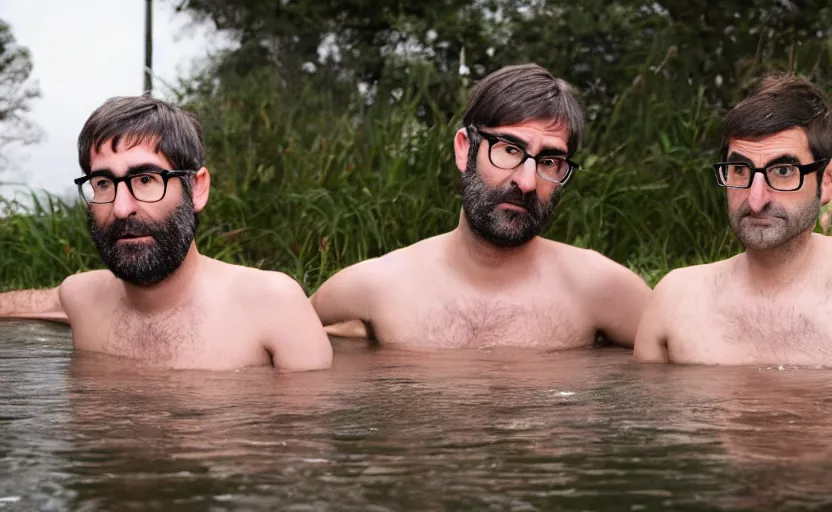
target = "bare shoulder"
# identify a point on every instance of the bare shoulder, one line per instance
(825, 243)
(592, 261)
(417, 254)
(694, 279)
(361, 290)
(682, 290)
(676, 309)
(284, 318)
(592, 269)
(253, 284)
(612, 297)
(89, 280)
(395, 264)
(79, 288)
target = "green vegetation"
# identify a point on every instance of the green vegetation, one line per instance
(310, 176)
(307, 185)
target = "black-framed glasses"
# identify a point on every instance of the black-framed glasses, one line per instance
(782, 177)
(507, 155)
(149, 186)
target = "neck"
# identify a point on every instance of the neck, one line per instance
(481, 260)
(169, 293)
(780, 265)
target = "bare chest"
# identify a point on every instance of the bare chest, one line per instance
(478, 321)
(771, 330)
(189, 336)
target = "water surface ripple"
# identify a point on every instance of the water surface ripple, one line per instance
(390, 430)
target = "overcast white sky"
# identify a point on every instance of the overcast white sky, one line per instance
(85, 51)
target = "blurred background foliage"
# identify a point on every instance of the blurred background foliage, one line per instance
(329, 125)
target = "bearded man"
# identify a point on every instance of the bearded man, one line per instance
(493, 281)
(769, 304)
(161, 302)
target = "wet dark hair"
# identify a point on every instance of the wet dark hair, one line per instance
(522, 93)
(138, 119)
(779, 102)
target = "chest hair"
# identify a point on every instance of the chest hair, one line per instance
(160, 338)
(776, 325)
(477, 321)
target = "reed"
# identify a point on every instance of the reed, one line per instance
(308, 180)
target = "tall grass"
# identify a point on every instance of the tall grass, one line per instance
(308, 181)
(42, 240)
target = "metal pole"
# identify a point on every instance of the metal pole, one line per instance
(148, 47)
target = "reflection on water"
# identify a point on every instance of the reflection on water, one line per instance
(390, 430)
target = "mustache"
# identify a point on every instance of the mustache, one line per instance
(514, 195)
(771, 209)
(120, 228)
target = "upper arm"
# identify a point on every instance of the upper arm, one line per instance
(619, 300)
(348, 295)
(77, 293)
(72, 292)
(294, 335)
(652, 337)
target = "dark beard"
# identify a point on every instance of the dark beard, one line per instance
(504, 228)
(146, 264)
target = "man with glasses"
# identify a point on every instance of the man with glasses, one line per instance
(769, 305)
(162, 302)
(492, 281)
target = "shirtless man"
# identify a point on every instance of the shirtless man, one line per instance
(771, 304)
(162, 302)
(492, 281)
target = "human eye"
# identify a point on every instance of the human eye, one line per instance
(783, 171)
(551, 162)
(145, 179)
(738, 169)
(102, 183)
(508, 149)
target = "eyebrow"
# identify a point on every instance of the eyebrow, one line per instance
(138, 169)
(782, 159)
(517, 141)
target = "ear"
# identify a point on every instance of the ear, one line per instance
(826, 185)
(201, 189)
(461, 145)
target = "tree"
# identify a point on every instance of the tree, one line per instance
(16, 94)
(353, 41)
(601, 46)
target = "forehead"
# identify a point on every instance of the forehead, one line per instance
(548, 134)
(126, 155)
(788, 142)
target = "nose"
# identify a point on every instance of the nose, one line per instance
(525, 177)
(759, 194)
(125, 204)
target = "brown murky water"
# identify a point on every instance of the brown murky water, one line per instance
(389, 430)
